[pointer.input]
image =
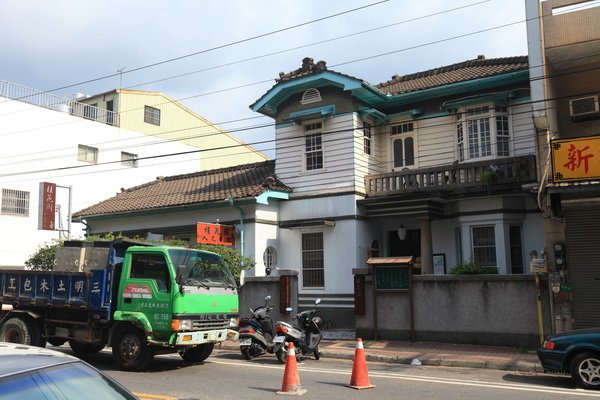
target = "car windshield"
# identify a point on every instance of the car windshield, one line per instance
(201, 268)
(64, 382)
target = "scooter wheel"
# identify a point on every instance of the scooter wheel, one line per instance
(281, 354)
(317, 353)
(249, 352)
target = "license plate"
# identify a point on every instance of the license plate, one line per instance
(278, 339)
(246, 342)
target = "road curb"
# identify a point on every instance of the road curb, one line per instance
(519, 366)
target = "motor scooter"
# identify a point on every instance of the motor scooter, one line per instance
(257, 332)
(305, 334)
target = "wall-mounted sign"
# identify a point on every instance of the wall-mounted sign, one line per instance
(215, 234)
(47, 206)
(575, 159)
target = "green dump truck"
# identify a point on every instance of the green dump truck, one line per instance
(134, 297)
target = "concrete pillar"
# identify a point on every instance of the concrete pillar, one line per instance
(426, 246)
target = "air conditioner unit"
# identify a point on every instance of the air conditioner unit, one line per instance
(584, 108)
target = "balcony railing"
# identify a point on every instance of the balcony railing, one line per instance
(479, 175)
(28, 95)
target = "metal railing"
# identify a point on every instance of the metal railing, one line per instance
(473, 175)
(51, 101)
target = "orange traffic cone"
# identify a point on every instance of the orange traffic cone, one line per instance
(360, 373)
(291, 379)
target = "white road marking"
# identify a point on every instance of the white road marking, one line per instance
(428, 379)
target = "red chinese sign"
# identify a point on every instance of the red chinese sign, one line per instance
(576, 159)
(215, 234)
(48, 206)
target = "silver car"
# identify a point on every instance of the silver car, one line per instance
(36, 373)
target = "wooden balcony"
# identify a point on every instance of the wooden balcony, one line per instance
(472, 176)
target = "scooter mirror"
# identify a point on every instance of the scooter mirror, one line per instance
(268, 297)
(289, 309)
(317, 301)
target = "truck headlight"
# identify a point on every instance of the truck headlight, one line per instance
(181, 324)
(233, 322)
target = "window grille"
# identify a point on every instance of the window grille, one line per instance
(367, 138)
(313, 268)
(87, 154)
(152, 115)
(313, 146)
(129, 159)
(484, 245)
(15, 202)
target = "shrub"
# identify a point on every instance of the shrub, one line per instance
(43, 258)
(470, 267)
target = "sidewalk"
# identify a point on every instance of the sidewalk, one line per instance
(435, 354)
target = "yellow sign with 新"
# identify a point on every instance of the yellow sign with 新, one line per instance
(576, 159)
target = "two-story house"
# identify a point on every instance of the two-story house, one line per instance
(564, 47)
(438, 164)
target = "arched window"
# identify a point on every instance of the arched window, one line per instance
(311, 95)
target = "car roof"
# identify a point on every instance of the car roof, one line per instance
(16, 358)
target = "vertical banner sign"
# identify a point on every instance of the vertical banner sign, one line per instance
(215, 234)
(47, 206)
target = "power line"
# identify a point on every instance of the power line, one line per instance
(219, 47)
(311, 44)
(243, 128)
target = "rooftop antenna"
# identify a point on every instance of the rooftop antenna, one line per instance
(120, 71)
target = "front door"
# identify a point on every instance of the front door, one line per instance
(410, 246)
(148, 289)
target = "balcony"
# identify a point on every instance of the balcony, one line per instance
(479, 176)
(51, 101)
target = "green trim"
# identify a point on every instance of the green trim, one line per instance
(269, 102)
(373, 96)
(472, 85)
(263, 198)
(499, 99)
(321, 112)
(373, 113)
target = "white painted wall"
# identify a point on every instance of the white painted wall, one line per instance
(337, 173)
(43, 140)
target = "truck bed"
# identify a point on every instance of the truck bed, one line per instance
(55, 288)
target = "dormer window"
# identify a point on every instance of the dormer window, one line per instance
(311, 95)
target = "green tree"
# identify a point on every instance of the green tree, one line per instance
(43, 258)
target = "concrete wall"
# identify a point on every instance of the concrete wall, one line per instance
(255, 289)
(478, 309)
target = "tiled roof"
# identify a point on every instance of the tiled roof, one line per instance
(459, 72)
(239, 182)
(463, 71)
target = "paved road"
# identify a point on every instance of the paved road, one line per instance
(225, 375)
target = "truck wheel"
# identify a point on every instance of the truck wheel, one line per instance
(56, 341)
(18, 330)
(85, 347)
(585, 370)
(131, 350)
(198, 353)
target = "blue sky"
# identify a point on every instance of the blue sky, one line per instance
(50, 44)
